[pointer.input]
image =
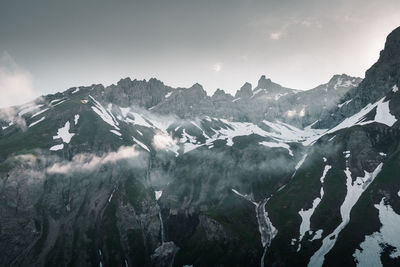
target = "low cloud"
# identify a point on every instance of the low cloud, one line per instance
(16, 83)
(293, 113)
(88, 162)
(163, 141)
(283, 29)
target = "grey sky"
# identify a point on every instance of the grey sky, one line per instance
(220, 44)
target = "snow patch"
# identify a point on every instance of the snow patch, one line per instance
(158, 194)
(354, 191)
(28, 109)
(57, 147)
(36, 122)
(40, 112)
(140, 144)
(139, 120)
(103, 114)
(282, 145)
(317, 235)
(306, 214)
(383, 116)
(59, 103)
(344, 103)
(64, 133)
(372, 246)
(116, 132)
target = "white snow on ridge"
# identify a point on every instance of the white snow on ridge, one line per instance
(140, 144)
(104, 115)
(56, 100)
(28, 109)
(288, 133)
(139, 120)
(54, 105)
(245, 196)
(298, 165)
(116, 132)
(75, 91)
(189, 142)
(9, 124)
(76, 118)
(40, 112)
(257, 92)
(354, 191)
(383, 116)
(57, 147)
(168, 94)
(372, 246)
(36, 122)
(236, 129)
(64, 133)
(282, 145)
(395, 88)
(124, 111)
(344, 103)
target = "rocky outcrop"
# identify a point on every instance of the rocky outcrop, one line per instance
(164, 255)
(379, 80)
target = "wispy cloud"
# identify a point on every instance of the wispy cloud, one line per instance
(217, 67)
(276, 29)
(275, 35)
(87, 162)
(16, 83)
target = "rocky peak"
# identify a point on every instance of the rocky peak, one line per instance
(392, 47)
(196, 91)
(137, 92)
(125, 82)
(244, 91)
(379, 80)
(342, 81)
(386, 71)
(220, 95)
(271, 87)
(264, 83)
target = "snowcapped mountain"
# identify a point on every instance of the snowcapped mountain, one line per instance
(143, 174)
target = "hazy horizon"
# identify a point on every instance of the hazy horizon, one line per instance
(50, 47)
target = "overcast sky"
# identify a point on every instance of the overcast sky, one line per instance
(49, 46)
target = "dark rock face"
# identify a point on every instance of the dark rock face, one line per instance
(379, 80)
(164, 255)
(220, 95)
(141, 93)
(245, 91)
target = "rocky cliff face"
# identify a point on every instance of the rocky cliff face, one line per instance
(379, 81)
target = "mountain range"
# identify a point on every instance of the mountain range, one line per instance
(143, 174)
